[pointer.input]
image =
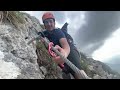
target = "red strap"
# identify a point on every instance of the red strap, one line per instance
(50, 49)
(52, 53)
(61, 66)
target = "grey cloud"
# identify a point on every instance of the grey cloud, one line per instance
(99, 26)
(75, 20)
(89, 49)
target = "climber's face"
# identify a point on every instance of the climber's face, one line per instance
(49, 24)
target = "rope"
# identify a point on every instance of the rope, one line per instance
(72, 66)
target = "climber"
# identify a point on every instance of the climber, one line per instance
(56, 36)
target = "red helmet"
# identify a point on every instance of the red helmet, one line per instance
(47, 15)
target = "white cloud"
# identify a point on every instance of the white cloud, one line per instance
(110, 48)
(37, 14)
(76, 19)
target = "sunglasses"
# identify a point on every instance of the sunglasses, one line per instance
(47, 21)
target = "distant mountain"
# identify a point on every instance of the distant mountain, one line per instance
(114, 63)
(115, 67)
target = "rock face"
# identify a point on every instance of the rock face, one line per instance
(97, 70)
(17, 59)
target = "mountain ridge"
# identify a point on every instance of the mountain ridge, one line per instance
(23, 61)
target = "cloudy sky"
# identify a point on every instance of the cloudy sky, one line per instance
(96, 33)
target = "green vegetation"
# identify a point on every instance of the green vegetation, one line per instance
(44, 59)
(84, 65)
(14, 17)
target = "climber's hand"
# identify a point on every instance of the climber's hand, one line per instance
(57, 59)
